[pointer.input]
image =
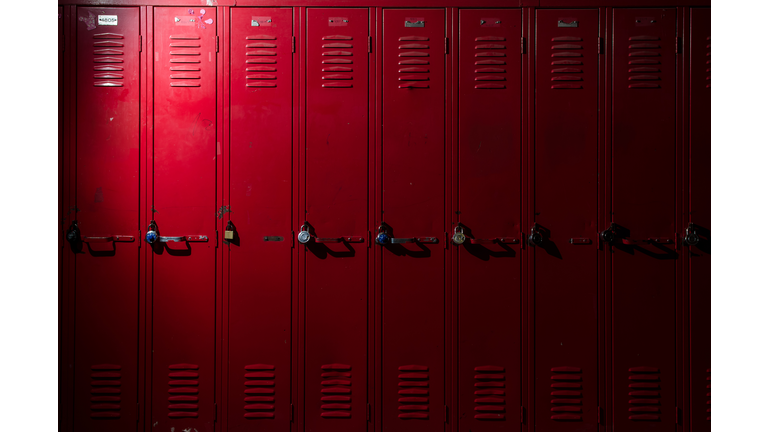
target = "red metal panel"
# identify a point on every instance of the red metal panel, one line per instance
(106, 270)
(260, 204)
(565, 187)
(644, 255)
(489, 187)
(701, 217)
(336, 207)
(413, 206)
(183, 283)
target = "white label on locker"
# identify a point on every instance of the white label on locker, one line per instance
(108, 20)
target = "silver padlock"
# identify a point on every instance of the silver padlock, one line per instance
(304, 235)
(458, 235)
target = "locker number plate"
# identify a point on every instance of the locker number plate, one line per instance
(108, 20)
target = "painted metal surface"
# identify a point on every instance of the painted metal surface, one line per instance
(699, 255)
(413, 208)
(489, 188)
(259, 380)
(565, 267)
(336, 210)
(183, 284)
(644, 211)
(106, 283)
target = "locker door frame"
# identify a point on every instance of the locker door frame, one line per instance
(451, 15)
(680, 134)
(146, 195)
(68, 211)
(300, 110)
(603, 126)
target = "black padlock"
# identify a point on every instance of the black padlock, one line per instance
(73, 233)
(535, 238)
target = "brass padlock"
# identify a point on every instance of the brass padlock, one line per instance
(458, 235)
(229, 231)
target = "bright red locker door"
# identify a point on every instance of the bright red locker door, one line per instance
(701, 218)
(413, 210)
(336, 207)
(107, 260)
(565, 202)
(183, 279)
(259, 365)
(489, 213)
(644, 255)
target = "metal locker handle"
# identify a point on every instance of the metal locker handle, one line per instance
(187, 238)
(114, 238)
(399, 240)
(500, 240)
(344, 239)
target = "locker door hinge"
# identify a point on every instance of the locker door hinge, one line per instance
(140, 43)
(599, 415)
(368, 413)
(599, 45)
(522, 415)
(446, 413)
(678, 45)
(291, 413)
(370, 44)
(446, 45)
(293, 44)
(217, 44)
(522, 45)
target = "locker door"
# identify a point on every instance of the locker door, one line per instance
(413, 210)
(107, 259)
(336, 209)
(701, 217)
(260, 200)
(644, 256)
(565, 195)
(183, 279)
(489, 212)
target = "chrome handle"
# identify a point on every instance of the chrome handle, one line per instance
(114, 238)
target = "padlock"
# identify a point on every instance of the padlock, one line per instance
(382, 237)
(609, 235)
(229, 231)
(152, 234)
(304, 235)
(458, 235)
(691, 238)
(73, 233)
(536, 238)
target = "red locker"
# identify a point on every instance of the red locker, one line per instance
(489, 188)
(104, 241)
(565, 203)
(700, 216)
(259, 371)
(183, 256)
(413, 283)
(335, 205)
(644, 211)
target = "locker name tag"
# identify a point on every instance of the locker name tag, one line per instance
(415, 21)
(108, 20)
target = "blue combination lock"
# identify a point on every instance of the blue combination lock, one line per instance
(152, 235)
(382, 237)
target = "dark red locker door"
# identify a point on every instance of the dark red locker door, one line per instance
(644, 256)
(701, 218)
(413, 209)
(107, 178)
(565, 195)
(336, 208)
(183, 279)
(489, 213)
(260, 202)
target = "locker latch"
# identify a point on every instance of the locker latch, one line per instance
(562, 23)
(414, 23)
